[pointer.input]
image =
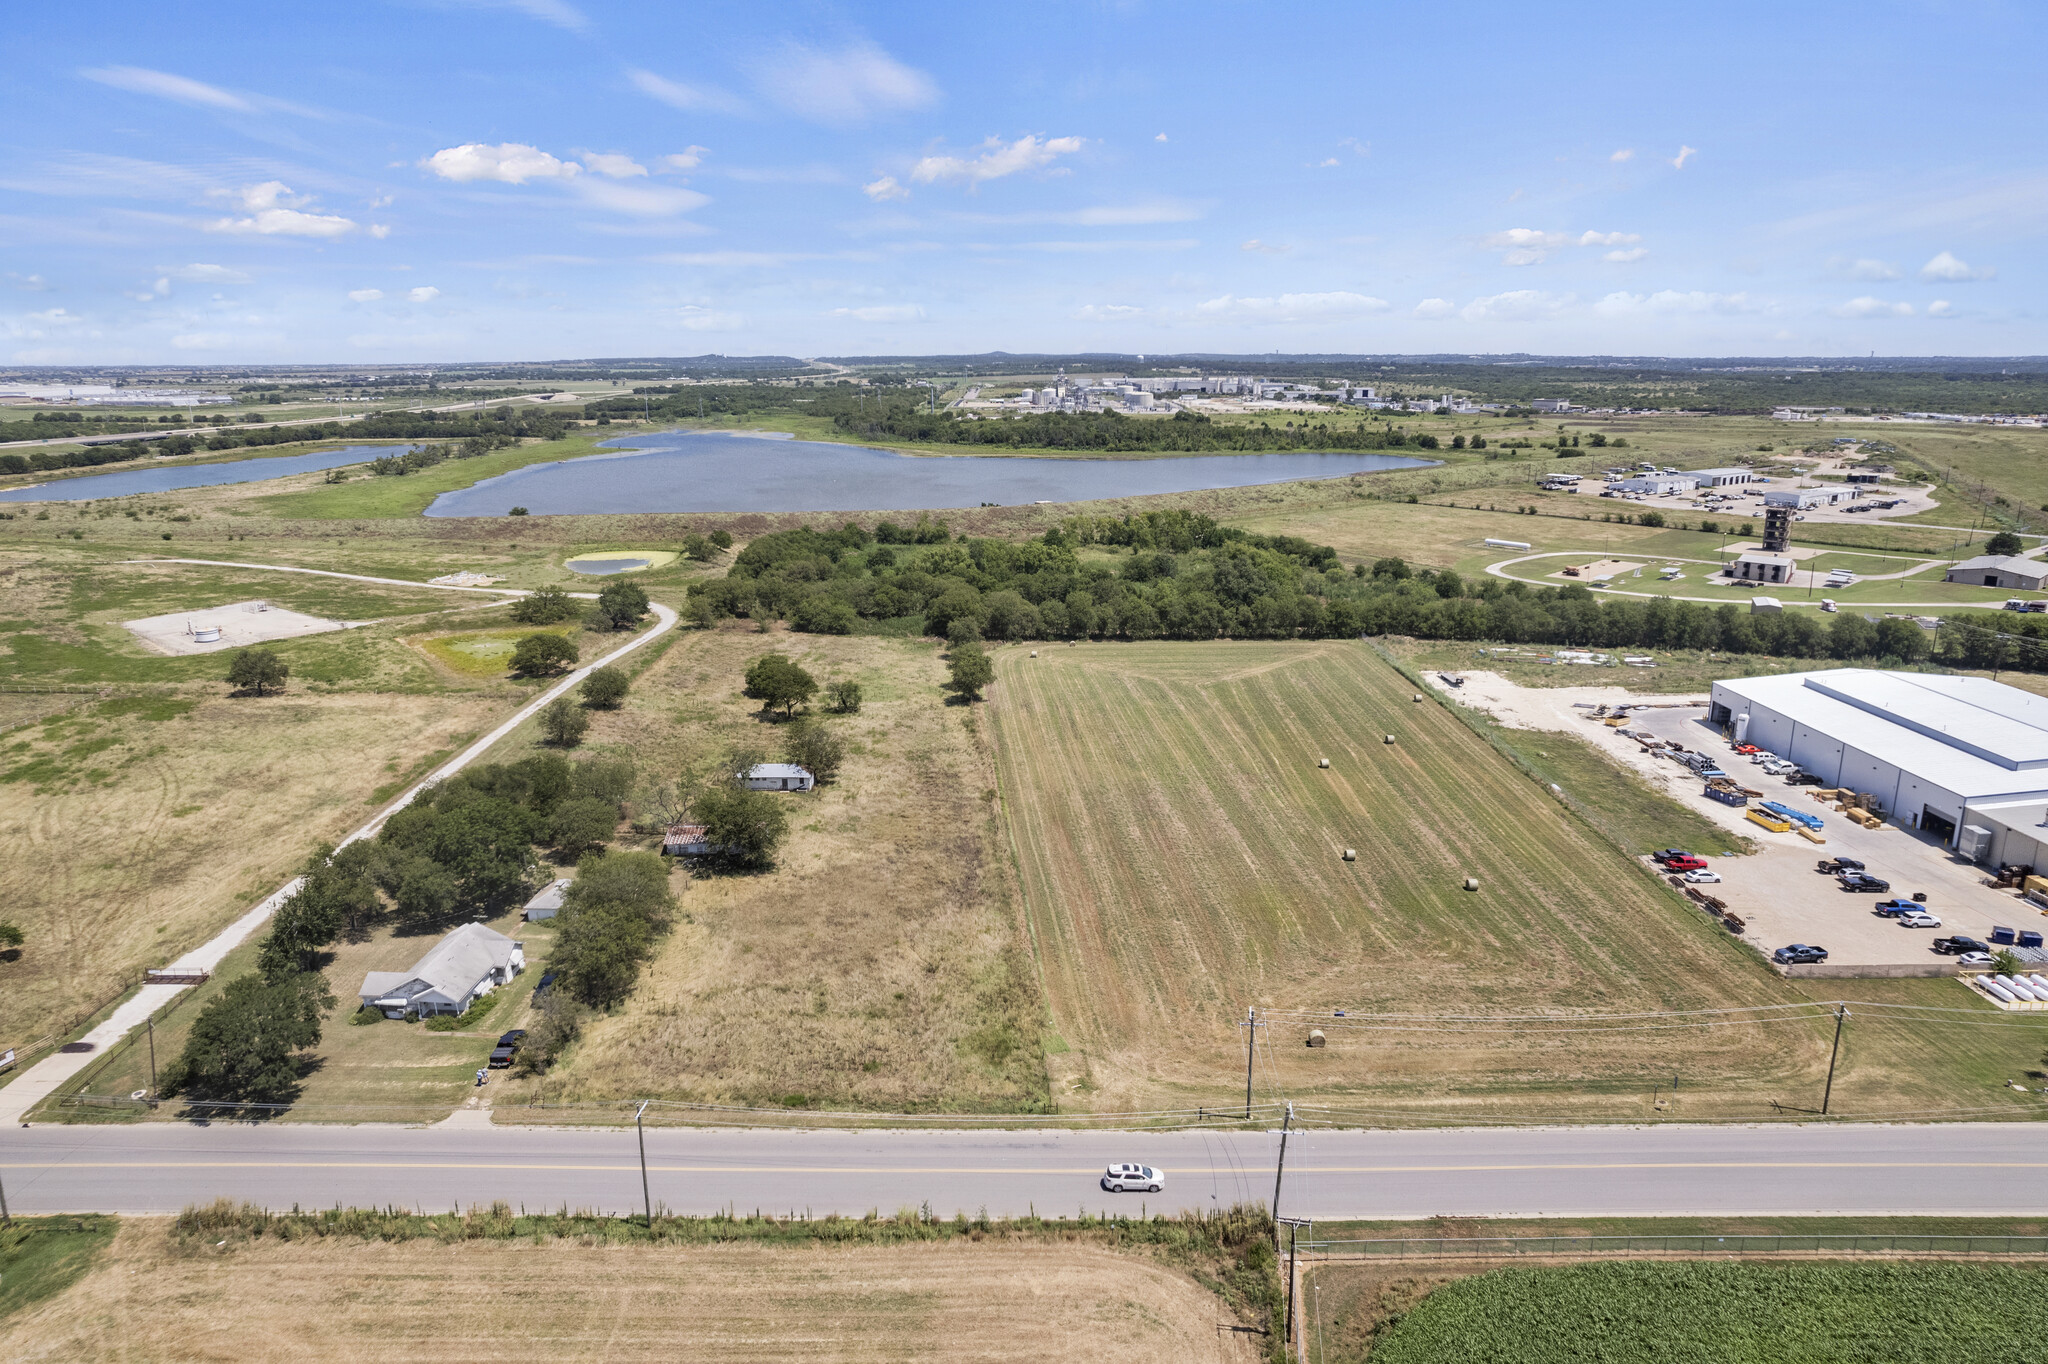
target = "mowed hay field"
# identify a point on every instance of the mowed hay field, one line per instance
(880, 963)
(1180, 853)
(488, 1301)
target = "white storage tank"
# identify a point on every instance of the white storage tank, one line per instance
(1742, 728)
(206, 634)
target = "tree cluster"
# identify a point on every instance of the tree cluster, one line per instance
(612, 916)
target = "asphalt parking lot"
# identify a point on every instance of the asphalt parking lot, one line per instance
(1783, 899)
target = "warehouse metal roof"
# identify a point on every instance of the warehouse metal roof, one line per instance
(1969, 735)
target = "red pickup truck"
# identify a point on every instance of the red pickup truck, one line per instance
(1686, 862)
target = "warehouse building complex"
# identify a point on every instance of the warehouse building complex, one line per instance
(1964, 758)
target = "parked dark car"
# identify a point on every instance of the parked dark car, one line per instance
(1802, 779)
(1832, 865)
(547, 979)
(1863, 881)
(1799, 954)
(507, 1048)
(1959, 944)
(1666, 854)
(1892, 909)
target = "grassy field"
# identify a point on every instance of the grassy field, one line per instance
(40, 1257)
(1180, 858)
(879, 964)
(155, 1297)
(1729, 1313)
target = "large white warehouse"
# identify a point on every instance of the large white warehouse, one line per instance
(1961, 757)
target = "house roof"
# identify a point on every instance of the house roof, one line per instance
(2002, 563)
(452, 967)
(1969, 735)
(762, 770)
(550, 898)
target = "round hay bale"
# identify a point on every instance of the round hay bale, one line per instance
(1034, 653)
(1322, 762)
(1418, 696)
(1471, 883)
(1316, 1038)
(1390, 738)
(1351, 854)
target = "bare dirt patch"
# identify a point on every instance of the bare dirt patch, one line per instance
(236, 625)
(562, 1300)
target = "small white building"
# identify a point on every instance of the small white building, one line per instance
(1799, 499)
(468, 963)
(1724, 478)
(548, 903)
(2000, 570)
(1757, 567)
(1552, 405)
(1657, 485)
(779, 777)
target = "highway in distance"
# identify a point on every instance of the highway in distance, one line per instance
(1981, 1169)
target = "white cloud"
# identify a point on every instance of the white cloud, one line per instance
(852, 85)
(1628, 257)
(1168, 244)
(1263, 249)
(1099, 215)
(884, 189)
(644, 201)
(1941, 307)
(1668, 302)
(1872, 269)
(689, 158)
(274, 211)
(1325, 307)
(894, 312)
(380, 230)
(1947, 267)
(203, 341)
(1430, 309)
(1107, 312)
(1329, 161)
(1685, 154)
(997, 159)
(1517, 305)
(556, 12)
(697, 318)
(614, 164)
(1160, 138)
(511, 163)
(365, 295)
(1609, 238)
(734, 258)
(1526, 245)
(164, 85)
(205, 274)
(1867, 306)
(1624, 154)
(32, 284)
(425, 293)
(676, 95)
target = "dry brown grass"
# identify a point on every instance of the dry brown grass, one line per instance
(878, 965)
(149, 1300)
(134, 838)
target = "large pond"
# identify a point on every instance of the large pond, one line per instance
(162, 480)
(699, 471)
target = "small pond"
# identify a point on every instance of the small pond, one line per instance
(128, 482)
(699, 471)
(602, 567)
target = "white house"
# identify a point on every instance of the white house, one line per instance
(779, 777)
(1758, 567)
(2000, 570)
(548, 903)
(471, 961)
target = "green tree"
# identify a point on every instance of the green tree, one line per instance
(605, 688)
(845, 697)
(564, 722)
(546, 606)
(337, 895)
(747, 826)
(971, 670)
(11, 936)
(624, 601)
(543, 655)
(2005, 542)
(722, 539)
(246, 1043)
(699, 548)
(1900, 639)
(257, 670)
(811, 745)
(581, 823)
(559, 1023)
(775, 680)
(614, 910)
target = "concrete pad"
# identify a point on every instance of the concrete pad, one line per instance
(240, 623)
(1599, 568)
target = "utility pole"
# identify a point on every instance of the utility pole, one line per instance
(1251, 1026)
(1841, 1013)
(6, 1217)
(152, 1058)
(1280, 1170)
(1295, 1224)
(644, 1194)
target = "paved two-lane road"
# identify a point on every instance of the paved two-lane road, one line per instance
(1956, 1169)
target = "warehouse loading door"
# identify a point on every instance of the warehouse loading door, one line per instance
(1935, 822)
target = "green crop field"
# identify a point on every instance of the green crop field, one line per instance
(1720, 1313)
(1180, 854)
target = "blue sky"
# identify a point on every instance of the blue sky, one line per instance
(395, 180)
